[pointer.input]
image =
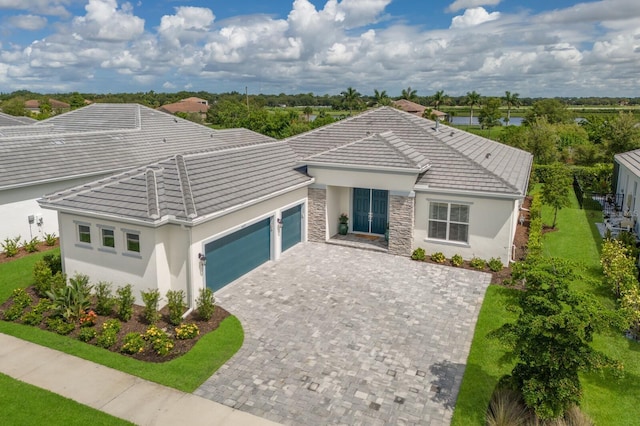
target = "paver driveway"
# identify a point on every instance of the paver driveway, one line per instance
(337, 335)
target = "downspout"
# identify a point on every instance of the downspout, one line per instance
(189, 280)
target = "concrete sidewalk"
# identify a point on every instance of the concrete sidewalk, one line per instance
(119, 394)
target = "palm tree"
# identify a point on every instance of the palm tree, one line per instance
(511, 100)
(439, 98)
(381, 98)
(350, 98)
(409, 94)
(473, 98)
(307, 111)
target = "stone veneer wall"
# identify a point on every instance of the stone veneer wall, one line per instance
(401, 217)
(317, 215)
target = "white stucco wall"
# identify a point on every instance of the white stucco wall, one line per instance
(389, 181)
(17, 204)
(338, 202)
(491, 227)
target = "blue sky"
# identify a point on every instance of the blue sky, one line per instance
(535, 48)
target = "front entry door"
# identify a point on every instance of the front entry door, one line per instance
(370, 210)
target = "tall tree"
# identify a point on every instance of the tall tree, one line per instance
(381, 98)
(489, 115)
(409, 94)
(556, 189)
(621, 134)
(473, 99)
(439, 98)
(552, 110)
(511, 100)
(350, 98)
(15, 106)
(542, 141)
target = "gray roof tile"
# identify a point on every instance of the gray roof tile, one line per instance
(11, 120)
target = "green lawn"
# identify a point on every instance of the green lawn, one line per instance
(185, 373)
(606, 400)
(24, 404)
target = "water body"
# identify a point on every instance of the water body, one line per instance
(457, 120)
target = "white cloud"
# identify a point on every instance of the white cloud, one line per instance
(188, 25)
(168, 85)
(467, 4)
(44, 7)
(28, 22)
(105, 22)
(594, 12)
(473, 17)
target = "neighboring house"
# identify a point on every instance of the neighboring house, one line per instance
(626, 179)
(33, 105)
(204, 219)
(7, 120)
(189, 106)
(87, 144)
(417, 109)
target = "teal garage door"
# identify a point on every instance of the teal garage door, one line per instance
(291, 227)
(232, 256)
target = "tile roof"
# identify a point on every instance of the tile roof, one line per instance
(188, 187)
(185, 106)
(630, 159)
(104, 138)
(10, 120)
(459, 160)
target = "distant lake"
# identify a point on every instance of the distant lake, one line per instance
(457, 120)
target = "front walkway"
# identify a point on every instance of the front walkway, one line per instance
(338, 335)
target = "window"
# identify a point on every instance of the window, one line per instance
(108, 238)
(133, 242)
(84, 234)
(449, 221)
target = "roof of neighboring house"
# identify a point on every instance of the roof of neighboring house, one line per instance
(185, 106)
(34, 104)
(104, 138)
(631, 160)
(189, 187)
(194, 99)
(458, 160)
(417, 109)
(11, 120)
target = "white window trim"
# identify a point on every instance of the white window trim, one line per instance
(104, 248)
(131, 253)
(79, 243)
(448, 222)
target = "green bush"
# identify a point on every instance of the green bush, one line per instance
(104, 298)
(124, 302)
(151, 300)
(535, 210)
(60, 326)
(42, 278)
(50, 239)
(21, 298)
(106, 339)
(419, 254)
(43, 306)
(10, 246)
(438, 257)
(477, 263)
(205, 304)
(31, 246)
(31, 318)
(159, 340)
(71, 301)
(134, 343)
(176, 305)
(495, 264)
(187, 331)
(54, 261)
(13, 313)
(112, 325)
(457, 260)
(87, 334)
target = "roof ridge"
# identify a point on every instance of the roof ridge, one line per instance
(336, 148)
(397, 144)
(153, 207)
(185, 187)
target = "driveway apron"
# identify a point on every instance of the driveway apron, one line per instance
(338, 335)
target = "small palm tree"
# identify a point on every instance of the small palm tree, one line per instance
(381, 98)
(409, 94)
(511, 100)
(473, 99)
(439, 98)
(350, 97)
(307, 111)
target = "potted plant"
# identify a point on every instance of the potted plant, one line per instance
(343, 227)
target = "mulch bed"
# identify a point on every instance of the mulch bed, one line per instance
(137, 324)
(22, 252)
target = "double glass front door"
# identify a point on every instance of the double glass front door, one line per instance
(370, 209)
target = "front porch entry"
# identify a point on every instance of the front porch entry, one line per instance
(370, 210)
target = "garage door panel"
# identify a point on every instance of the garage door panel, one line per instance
(230, 257)
(291, 227)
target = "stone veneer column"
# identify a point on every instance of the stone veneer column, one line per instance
(317, 215)
(401, 217)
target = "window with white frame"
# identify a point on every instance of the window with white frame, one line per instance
(132, 241)
(449, 221)
(84, 233)
(108, 238)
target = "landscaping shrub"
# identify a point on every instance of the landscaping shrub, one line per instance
(45, 280)
(457, 260)
(106, 339)
(160, 341)
(87, 334)
(176, 305)
(54, 261)
(151, 300)
(112, 325)
(419, 254)
(50, 239)
(104, 298)
(187, 331)
(88, 319)
(43, 306)
(495, 264)
(31, 318)
(506, 408)
(21, 298)
(477, 263)
(618, 266)
(31, 246)
(72, 301)
(535, 210)
(438, 257)
(124, 302)
(10, 246)
(59, 325)
(205, 304)
(134, 343)
(13, 313)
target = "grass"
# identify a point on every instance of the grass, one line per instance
(606, 400)
(24, 404)
(185, 373)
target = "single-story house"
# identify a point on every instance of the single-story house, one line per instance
(188, 105)
(199, 220)
(626, 178)
(33, 105)
(86, 144)
(419, 110)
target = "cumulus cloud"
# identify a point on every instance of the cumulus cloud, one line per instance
(467, 4)
(473, 17)
(104, 21)
(599, 11)
(188, 25)
(44, 7)
(28, 22)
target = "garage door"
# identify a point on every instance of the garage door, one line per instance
(291, 227)
(232, 256)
